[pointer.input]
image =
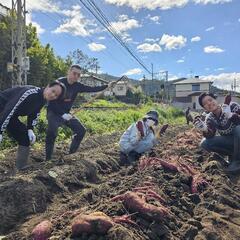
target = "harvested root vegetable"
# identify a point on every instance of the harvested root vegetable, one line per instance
(167, 165)
(94, 223)
(134, 203)
(198, 184)
(227, 99)
(42, 231)
(197, 181)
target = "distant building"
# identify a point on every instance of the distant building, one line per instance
(188, 90)
(92, 80)
(120, 89)
(151, 87)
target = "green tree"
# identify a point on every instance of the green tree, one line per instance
(86, 62)
(5, 51)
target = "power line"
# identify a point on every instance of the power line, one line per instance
(89, 39)
(100, 16)
(113, 31)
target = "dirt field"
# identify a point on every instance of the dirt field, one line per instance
(85, 182)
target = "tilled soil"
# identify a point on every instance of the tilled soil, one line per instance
(86, 181)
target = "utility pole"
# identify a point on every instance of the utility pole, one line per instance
(168, 97)
(166, 87)
(152, 70)
(96, 68)
(20, 62)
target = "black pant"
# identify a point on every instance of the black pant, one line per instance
(54, 122)
(18, 131)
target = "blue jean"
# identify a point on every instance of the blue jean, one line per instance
(226, 145)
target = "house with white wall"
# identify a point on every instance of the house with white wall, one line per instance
(188, 91)
(120, 88)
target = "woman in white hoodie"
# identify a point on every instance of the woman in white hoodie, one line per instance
(138, 138)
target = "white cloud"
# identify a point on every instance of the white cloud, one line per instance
(239, 19)
(149, 4)
(96, 47)
(210, 29)
(76, 24)
(155, 19)
(124, 24)
(224, 80)
(212, 1)
(180, 61)
(134, 71)
(42, 5)
(40, 30)
(162, 4)
(147, 47)
(37, 5)
(173, 42)
(219, 69)
(195, 39)
(151, 40)
(101, 38)
(213, 49)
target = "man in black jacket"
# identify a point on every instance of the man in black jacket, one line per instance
(25, 101)
(58, 111)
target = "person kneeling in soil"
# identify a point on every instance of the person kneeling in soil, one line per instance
(25, 101)
(225, 120)
(138, 138)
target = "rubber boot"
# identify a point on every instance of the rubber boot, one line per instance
(49, 151)
(133, 156)
(22, 157)
(234, 166)
(74, 145)
(123, 159)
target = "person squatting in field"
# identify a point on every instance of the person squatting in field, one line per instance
(25, 101)
(139, 138)
(224, 120)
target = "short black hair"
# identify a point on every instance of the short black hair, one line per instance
(203, 95)
(76, 66)
(56, 82)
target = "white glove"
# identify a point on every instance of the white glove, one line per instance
(67, 116)
(227, 110)
(31, 136)
(200, 125)
(1, 137)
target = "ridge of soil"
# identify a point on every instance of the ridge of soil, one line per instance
(87, 180)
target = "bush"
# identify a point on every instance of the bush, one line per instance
(106, 121)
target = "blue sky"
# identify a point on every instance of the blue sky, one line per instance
(184, 37)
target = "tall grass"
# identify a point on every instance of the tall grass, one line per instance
(107, 121)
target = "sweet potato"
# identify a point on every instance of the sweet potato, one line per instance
(42, 231)
(167, 165)
(95, 223)
(227, 99)
(136, 204)
(198, 184)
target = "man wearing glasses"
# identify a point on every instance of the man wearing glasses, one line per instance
(58, 111)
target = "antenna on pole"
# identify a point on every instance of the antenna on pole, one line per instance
(20, 61)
